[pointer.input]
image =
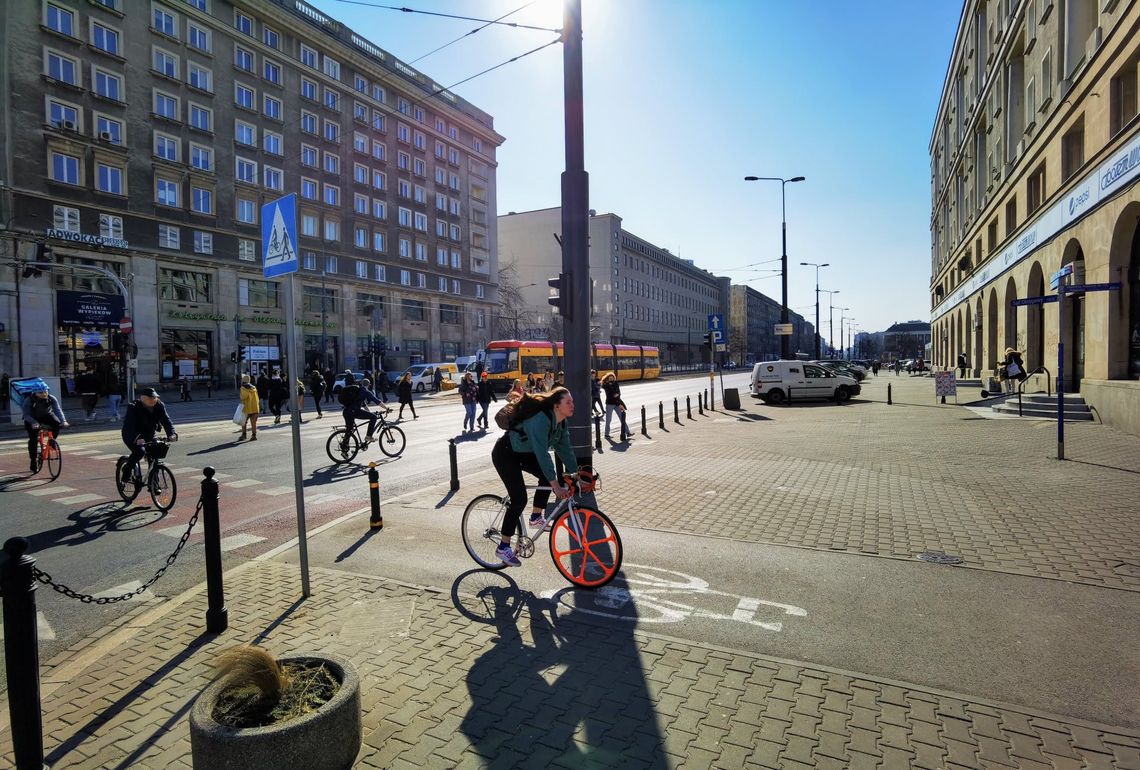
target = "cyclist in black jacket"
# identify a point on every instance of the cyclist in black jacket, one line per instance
(354, 398)
(143, 419)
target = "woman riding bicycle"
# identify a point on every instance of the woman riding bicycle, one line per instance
(143, 419)
(41, 410)
(526, 447)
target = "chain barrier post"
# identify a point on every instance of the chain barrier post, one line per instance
(377, 519)
(644, 428)
(217, 616)
(889, 402)
(22, 655)
(661, 414)
(688, 408)
(454, 465)
(598, 432)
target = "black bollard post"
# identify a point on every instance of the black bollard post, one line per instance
(217, 616)
(688, 408)
(676, 411)
(712, 398)
(376, 521)
(598, 432)
(644, 428)
(661, 414)
(454, 465)
(889, 393)
(22, 654)
(701, 402)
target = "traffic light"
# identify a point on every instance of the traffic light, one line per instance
(241, 352)
(560, 294)
(709, 340)
(233, 358)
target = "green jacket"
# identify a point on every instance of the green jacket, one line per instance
(536, 434)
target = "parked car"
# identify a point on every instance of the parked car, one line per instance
(850, 368)
(423, 374)
(339, 382)
(776, 381)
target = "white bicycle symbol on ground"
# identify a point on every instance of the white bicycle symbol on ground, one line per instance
(649, 595)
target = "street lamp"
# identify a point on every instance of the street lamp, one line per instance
(817, 335)
(831, 321)
(841, 311)
(785, 342)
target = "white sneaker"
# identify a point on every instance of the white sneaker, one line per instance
(505, 553)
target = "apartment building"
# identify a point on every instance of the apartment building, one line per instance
(141, 138)
(752, 327)
(1035, 155)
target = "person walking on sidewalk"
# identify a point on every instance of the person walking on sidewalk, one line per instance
(263, 391)
(527, 448)
(250, 406)
(437, 380)
(41, 410)
(962, 365)
(278, 395)
(300, 397)
(114, 395)
(615, 404)
(486, 395)
(596, 408)
(184, 389)
(404, 393)
(5, 383)
(88, 386)
(317, 388)
(469, 394)
(1014, 370)
(143, 419)
(330, 380)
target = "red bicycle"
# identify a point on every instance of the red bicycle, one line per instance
(49, 454)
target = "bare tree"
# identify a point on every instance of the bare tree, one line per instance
(513, 312)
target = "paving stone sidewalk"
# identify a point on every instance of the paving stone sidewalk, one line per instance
(494, 677)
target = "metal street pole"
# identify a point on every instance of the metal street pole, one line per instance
(817, 334)
(831, 322)
(785, 341)
(841, 312)
(324, 333)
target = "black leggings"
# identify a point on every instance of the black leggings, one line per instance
(407, 404)
(510, 466)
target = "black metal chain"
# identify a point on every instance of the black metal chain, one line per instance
(47, 580)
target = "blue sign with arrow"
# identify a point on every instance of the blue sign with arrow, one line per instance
(716, 327)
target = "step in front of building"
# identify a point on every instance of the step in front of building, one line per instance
(1044, 405)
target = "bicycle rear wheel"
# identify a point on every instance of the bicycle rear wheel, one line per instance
(342, 446)
(163, 488)
(391, 440)
(130, 490)
(586, 547)
(54, 458)
(483, 528)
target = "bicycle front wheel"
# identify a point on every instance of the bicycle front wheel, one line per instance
(391, 440)
(483, 530)
(54, 458)
(163, 489)
(586, 547)
(342, 446)
(130, 490)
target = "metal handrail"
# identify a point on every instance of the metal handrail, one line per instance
(1021, 386)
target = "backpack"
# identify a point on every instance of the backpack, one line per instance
(349, 395)
(511, 416)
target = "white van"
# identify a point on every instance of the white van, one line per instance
(775, 381)
(468, 362)
(424, 374)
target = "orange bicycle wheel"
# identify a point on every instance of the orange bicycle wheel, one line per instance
(586, 547)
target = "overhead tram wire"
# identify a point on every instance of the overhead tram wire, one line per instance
(514, 24)
(472, 32)
(439, 91)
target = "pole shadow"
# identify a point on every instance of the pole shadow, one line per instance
(347, 552)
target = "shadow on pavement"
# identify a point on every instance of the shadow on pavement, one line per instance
(94, 521)
(575, 696)
(347, 552)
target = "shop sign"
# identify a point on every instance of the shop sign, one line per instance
(262, 352)
(88, 240)
(267, 319)
(192, 316)
(264, 319)
(84, 308)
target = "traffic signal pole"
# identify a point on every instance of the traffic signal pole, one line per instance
(575, 283)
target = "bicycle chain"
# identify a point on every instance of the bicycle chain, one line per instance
(47, 580)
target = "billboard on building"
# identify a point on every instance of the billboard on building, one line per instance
(87, 308)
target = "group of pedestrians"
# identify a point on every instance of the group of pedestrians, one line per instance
(473, 393)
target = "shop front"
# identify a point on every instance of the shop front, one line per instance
(262, 353)
(88, 338)
(313, 356)
(185, 354)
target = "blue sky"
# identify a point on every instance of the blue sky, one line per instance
(684, 98)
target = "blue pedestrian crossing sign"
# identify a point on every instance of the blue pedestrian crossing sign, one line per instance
(279, 236)
(716, 327)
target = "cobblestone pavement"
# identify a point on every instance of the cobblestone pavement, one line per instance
(485, 675)
(498, 681)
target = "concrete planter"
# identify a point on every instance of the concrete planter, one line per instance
(327, 739)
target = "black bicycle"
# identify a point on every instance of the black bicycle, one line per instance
(343, 444)
(159, 479)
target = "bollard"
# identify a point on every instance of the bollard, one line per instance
(22, 654)
(376, 521)
(644, 429)
(661, 414)
(712, 398)
(889, 393)
(676, 412)
(688, 408)
(598, 432)
(217, 616)
(454, 465)
(701, 402)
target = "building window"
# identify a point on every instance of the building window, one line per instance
(244, 96)
(202, 200)
(405, 248)
(166, 147)
(360, 112)
(332, 232)
(379, 209)
(332, 68)
(247, 250)
(332, 163)
(165, 63)
(419, 140)
(200, 77)
(201, 118)
(332, 195)
(308, 122)
(254, 293)
(332, 131)
(245, 133)
(381, 274)
(1035, 190)
(243, 59)
(109, 179)
(110, 226)
(360, 173)
(165, 106)
(309, 189)
(245, 170)
(359, 142)
(379, 180)
(1122, 98)
(62, 68)
(203, 242)
(108, 85)
(271, 38)
(65, 218)
(360, 84)
(450, 314)
(441, 285)
(61, 20)
(332, 100)
(480, 291)
(169, 237)
(309, 225)
(1073, 150)
(243, 23)
(308, 156)
(246, 211)
(105, 38)
(274, 144)
(183, 285)
(456, 259)
(166, 192)
(64, 168)
(330, 264)
(378, 120)
(405, 217)
(361, 268)
(308, 57)
(421, 222)
(406, 280)
(198, 38)
(272, 107)
(421, 252)
(378, 93)
(404, 188)
(1011, 216)
(271, 71)
(378, 242)
(164, 22)
(308, 260)
(63, 115)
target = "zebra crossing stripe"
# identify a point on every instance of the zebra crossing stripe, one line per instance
(84, 498)
(242, 483)
(238, 541)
